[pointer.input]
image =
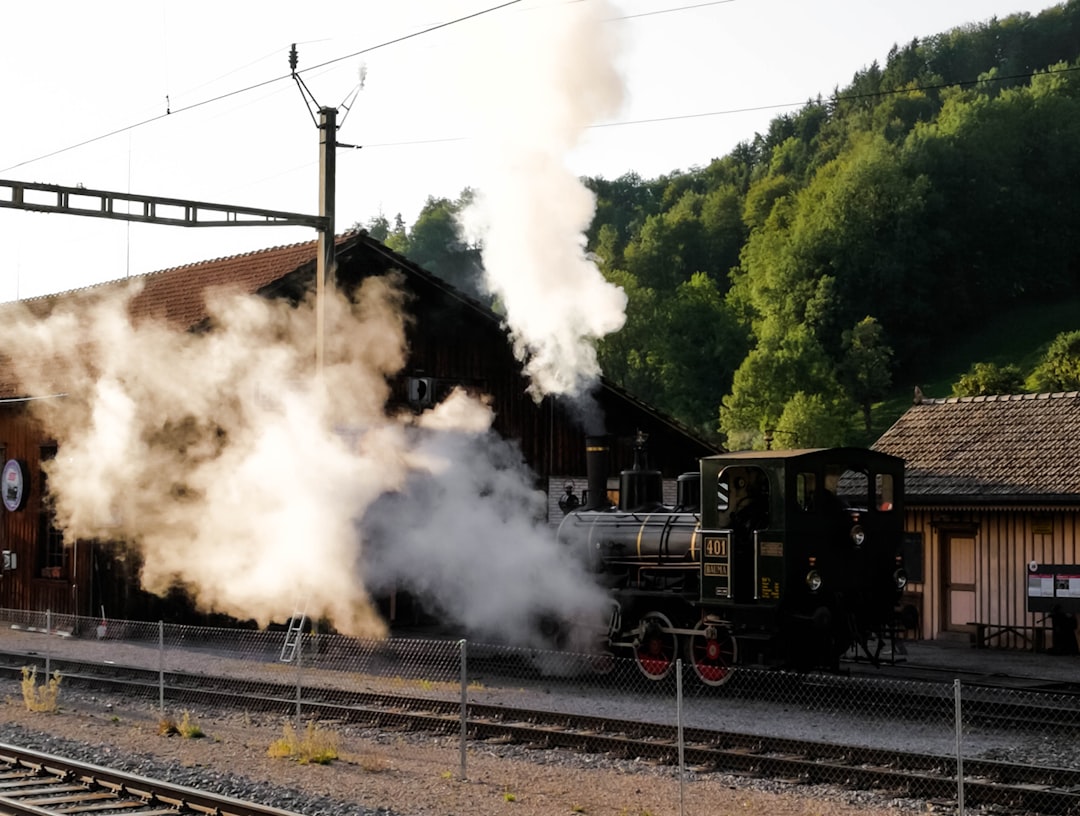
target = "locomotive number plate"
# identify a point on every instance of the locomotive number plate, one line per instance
(716, 567)
(716, 547)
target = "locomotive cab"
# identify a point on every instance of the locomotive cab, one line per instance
(815, 563)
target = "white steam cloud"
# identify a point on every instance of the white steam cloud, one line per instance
(540, 80)
(235, 474)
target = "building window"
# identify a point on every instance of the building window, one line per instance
(52, 557)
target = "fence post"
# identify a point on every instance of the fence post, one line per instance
(48, 646)
(161, 666)
(299, 681)
(464, 705)
(959, 750)
(682, 744)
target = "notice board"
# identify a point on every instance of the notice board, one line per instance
(1053, 585)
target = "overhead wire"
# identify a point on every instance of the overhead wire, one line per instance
(257, 85)
(624, 123)
(772, 106)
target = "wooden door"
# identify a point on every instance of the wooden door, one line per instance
(958, 590)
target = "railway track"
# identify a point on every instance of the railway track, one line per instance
(34, 784)
(1001, 784)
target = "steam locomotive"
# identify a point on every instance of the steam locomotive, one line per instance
(787, 558)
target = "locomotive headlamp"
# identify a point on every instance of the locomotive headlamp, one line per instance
(900, 578)
(813, 580)
(858, 535)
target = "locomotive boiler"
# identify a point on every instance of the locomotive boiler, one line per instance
(766, 557)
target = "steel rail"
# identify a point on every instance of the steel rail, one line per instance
(36, 784)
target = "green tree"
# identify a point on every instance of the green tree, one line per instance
(986, 379)
(779, 367)
(865, 368)
(1059, 370)
(395, 237)
(698, 343)
(813, 421)
(627, 357)
(435, 243)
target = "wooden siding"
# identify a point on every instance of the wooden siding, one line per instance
(1006, 540)
(29, 585)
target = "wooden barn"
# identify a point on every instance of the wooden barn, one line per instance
(993, 513)
(453, 340)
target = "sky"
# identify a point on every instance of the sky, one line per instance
(199, 103)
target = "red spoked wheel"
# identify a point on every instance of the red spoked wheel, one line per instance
(712, 652)
(656, 653)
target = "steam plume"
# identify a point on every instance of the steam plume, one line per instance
(237, 475)
(554, 76)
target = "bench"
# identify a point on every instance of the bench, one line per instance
(1033, 636)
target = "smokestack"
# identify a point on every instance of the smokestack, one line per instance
(640, 488)
(597, 464)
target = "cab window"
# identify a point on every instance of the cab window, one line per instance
(805, 491)
(883, 493)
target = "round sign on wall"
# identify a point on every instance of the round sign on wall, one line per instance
(14, 485)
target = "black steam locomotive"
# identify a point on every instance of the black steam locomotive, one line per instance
(768, 557)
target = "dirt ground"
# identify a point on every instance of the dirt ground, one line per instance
(413, 775)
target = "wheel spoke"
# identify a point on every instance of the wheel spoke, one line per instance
(712, 652)
(656, 653)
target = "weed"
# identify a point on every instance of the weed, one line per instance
(509, 797)
(188, 729)
(40, 698)
(166, 727)
(447, 775)
(114, 719)
(317, 746)
(577, 809)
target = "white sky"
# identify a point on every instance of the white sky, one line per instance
(73, 71)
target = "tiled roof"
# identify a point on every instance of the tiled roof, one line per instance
(177, 295)
(1023, 447)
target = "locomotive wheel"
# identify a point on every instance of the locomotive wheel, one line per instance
(656, 653)
(712, 651)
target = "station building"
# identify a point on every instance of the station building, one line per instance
(992, 490)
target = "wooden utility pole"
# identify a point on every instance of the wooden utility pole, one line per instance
(325, 265)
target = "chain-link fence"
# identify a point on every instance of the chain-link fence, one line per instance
(957, 745)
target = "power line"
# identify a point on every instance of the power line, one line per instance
(625, 123)
(773, 106)
(257, 85)
(669, 10)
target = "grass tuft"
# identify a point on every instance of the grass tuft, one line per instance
(189, 729)
(186, 728)
(45, 697)
(167, 727)
(318, 746)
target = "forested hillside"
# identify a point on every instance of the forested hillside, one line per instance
(830, 263)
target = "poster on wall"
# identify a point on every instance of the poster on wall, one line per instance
(1053, 585)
